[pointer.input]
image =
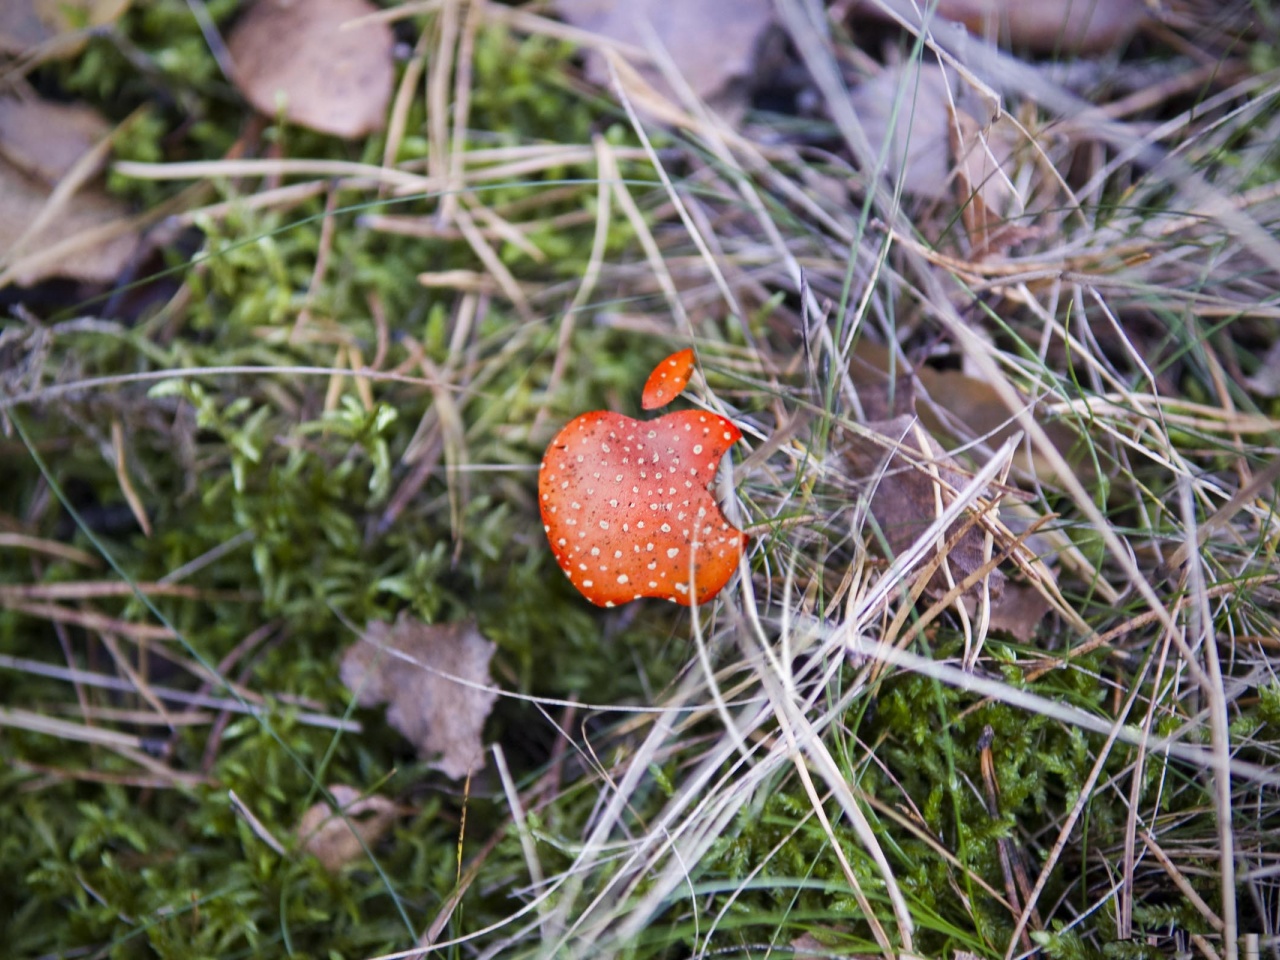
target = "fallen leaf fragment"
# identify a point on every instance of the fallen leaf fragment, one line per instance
(1266, 381)
(44, 139)
(984, 163)
(903, 505)
(712, 44)
(92, 231)
(300, 57)
(339, 837)
(913, 125)
(1019, 611)
(56, 28)
(48, 226)
(435, 681)
(914, 108)
(954, 406)
(1050, 26)
(1060, 27)
(898, 456)
(809, 947)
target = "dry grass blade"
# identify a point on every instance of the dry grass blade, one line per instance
(21, 541)
(91, 678)
(127, 746)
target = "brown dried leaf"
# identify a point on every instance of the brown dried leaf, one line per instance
(809, 947)
(973, 409)
(85, 234)
(908, 110)
(897, 455)
(335, 836)
(931, 123)
(90, 214)
(984, 162)
(1019, 610)
(884, 391)
(296, 54)
(430, 676)
(1266, 381)
(954, 405)
(55, 25)
(713, 44)
(1051, 26)
(45, 139)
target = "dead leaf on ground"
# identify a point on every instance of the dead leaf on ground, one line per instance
(44, 139)
(897, 456)
(56, 28)
(88, 235)
(1044, 26)
(712, 44)
(335, 837)
(984, 161)
(954, 405)
(1051, 26)
(435, 681)
(809, 947)
(1266, 382)
(1019, 611)
(938, 133)
(905, 107)
(902, 503)
(300, 57)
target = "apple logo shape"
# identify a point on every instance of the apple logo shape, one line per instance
(627, 504)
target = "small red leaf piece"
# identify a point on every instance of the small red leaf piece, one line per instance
(627, 506)
(667, 380)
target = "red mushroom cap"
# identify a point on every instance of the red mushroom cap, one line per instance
(627, 506)
(669, 377)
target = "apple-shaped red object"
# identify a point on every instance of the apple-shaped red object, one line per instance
(628, 510)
